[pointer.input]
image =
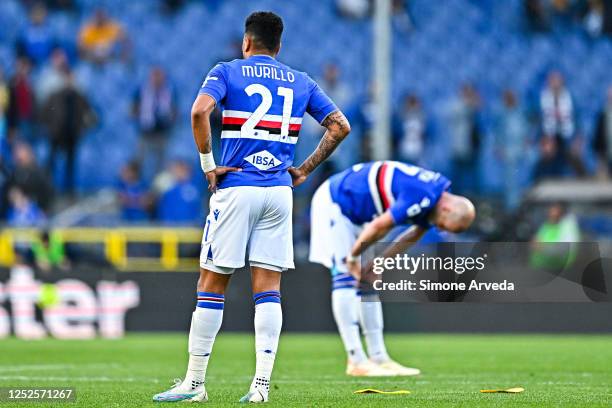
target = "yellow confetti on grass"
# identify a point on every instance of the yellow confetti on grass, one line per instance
(374, 391)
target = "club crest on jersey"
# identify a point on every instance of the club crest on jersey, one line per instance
(263, 160)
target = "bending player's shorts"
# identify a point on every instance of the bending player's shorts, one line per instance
(248, 218)
(332, 234)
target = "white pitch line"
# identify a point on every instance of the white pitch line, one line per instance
(77, 379)
(38, 367)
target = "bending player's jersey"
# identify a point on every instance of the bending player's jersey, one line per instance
(263, 102)
(367, 190)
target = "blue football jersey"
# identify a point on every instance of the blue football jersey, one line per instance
(367, 190)
(263, 103)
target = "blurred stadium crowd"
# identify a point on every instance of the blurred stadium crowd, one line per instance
(96, 95)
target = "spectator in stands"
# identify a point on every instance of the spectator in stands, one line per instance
(466, 135)
(24, 212)
(102, 38)
(536, 15)
(67, 114)
(180, 201)
(4, 106)
(36, 40)
(561, 227)
(334, 86)
(30, 178)
(53, 76)
(155, 111)
(512, 147)
(402, 21)
(562, 14)
(133, 194)
(353, 9)
(594, 18)
(602, 142)
(597, 18)
(362, 117)
(66, 5)
(172, 6)
(558, 145)
(22, 104)
(4, 177)
(49, 252)
(411, 144)
(4, 145)
(550, 230)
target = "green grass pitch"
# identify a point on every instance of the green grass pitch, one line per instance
(556, 371)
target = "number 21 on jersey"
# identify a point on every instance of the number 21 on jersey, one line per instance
(248, 128)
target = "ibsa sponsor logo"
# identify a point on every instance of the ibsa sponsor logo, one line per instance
(71, 309)
(263, 160)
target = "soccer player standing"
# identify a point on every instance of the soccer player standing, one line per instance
(354, 209)
(262, 102)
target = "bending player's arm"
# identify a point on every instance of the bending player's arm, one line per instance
(404, 241)
(376, 230)
(338, 128)
(200, 124)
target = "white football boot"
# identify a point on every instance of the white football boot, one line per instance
(368, 369)
(398, 369)
(255, 395)
(183, 391)
(260, 387)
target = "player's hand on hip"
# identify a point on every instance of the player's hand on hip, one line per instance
(298, 176)
(214, 175)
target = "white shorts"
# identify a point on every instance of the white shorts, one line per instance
(257, 219)
(332, 234)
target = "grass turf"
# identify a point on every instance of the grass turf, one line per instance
(563, 370)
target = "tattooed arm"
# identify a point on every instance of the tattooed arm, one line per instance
(338, 128)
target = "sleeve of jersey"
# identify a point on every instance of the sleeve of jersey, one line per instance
(215, 83)
(319, 104)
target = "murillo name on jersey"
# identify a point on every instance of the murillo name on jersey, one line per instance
(263, 103)
(267, 71)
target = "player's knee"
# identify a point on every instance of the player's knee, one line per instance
(212, 282)
(265, 279)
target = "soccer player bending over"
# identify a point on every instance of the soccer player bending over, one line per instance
(353, 210)
(262, 103)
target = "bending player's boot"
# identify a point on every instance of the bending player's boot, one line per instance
(398, 369)
(367, 369)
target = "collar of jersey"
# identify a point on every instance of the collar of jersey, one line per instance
(262, 56)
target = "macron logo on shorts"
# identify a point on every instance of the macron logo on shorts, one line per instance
(263, 160)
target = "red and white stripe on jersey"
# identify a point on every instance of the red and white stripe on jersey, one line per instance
(234, 117)
(270, 125)
(380, 178)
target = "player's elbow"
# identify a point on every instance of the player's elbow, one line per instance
(345, 129)
(337, 125)
(342, 130)
(202, 108)
(199, 113)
